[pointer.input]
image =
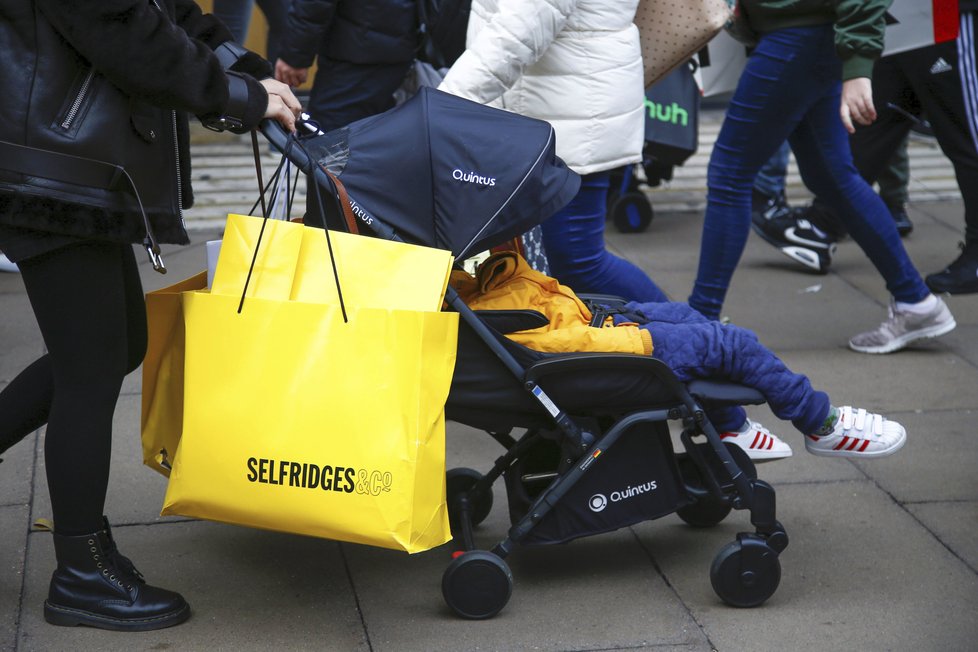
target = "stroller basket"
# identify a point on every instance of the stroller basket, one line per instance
(595, 453)
(637, 481)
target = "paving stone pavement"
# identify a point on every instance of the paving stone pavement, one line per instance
(883, 553)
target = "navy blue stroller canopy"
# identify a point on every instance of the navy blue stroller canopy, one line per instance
(443, 172)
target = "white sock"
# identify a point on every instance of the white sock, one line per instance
(920, 308)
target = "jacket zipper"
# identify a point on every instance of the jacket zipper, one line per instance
(79, 98)
(176, 156)
(176, 149)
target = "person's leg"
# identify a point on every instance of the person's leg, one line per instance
(236, 15)
(821, 147)
(702, 349)
(707, 349)
(770, 178)
(88, 301)
(771, 97)
(809, 235)
(89, 305)
(894, 181)
(950, 101)
(895, 176)
(574, 241)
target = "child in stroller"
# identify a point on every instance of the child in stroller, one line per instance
(690, 345)
(626, 404)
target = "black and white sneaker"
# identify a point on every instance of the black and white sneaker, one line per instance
(798, 239)
(768, 207)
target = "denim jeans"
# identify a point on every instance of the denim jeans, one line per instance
(790, 89)
(695, 347)
(574, 241)
(770, 178)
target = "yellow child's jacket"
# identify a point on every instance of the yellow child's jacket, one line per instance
(507, 282)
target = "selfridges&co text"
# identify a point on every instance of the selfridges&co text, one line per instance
(318, 476)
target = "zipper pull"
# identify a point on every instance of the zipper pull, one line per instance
(155, 257)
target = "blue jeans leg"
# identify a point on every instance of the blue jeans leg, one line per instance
(771, 178)
(574, 241)
(821, 146)
(695, 347)
(772, 96)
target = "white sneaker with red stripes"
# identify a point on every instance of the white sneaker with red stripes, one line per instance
(858, 433)
(758, 442)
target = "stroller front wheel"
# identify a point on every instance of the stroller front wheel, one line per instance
(746, 572)
(477, 585)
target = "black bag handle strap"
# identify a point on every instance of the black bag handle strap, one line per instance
(261, 189)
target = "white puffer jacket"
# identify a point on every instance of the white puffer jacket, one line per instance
(574, 63)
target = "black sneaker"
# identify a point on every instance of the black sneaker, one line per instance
(767, 207)
(961, 276)
(901, 219)
(798, 239)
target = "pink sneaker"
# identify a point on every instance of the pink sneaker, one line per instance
(859, 433)
(758, 442)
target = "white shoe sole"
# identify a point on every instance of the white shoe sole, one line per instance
(768, 456)
(854, 455)
(902, 341)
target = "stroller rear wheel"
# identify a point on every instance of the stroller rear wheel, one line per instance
(477, 585)
(631, 212)
(707, 510)
(458, 482)
(704, 512)
(746, 572)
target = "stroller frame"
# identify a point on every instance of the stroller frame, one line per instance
(745, 573)
(715, 477)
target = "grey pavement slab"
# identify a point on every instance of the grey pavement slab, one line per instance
(873, 580)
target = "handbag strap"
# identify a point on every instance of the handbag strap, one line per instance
(345, 205)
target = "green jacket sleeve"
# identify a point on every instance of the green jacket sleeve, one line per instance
(860, 28)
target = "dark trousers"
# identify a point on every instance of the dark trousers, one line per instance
(939, 82)
(344, 92)
(88, 302)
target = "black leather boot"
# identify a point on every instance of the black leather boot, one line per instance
(95, 585)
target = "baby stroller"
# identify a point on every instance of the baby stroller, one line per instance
(444, 172)
(671, 137)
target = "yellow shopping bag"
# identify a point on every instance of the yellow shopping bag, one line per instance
(297, 420)
(162, 413)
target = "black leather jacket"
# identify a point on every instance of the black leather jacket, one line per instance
(93, 120)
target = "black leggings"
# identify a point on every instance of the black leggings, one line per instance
(88, 302)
